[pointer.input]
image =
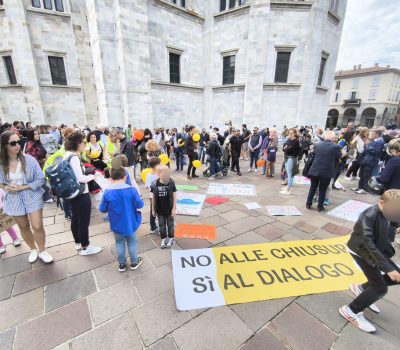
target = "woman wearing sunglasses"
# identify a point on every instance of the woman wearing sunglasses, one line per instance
(22, 179)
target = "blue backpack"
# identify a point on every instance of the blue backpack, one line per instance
(63, 180)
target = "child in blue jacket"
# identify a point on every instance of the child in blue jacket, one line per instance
(122, 202)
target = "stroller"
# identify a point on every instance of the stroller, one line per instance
(223, 165)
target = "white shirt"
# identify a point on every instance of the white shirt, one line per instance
(17, 178)
(78, 170)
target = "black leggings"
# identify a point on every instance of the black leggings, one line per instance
(81, 208)
(375, 288)
(353, 169)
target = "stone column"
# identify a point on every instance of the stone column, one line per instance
(256, 56)
(208, 64)
(25, 61)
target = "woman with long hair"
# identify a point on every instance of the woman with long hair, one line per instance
(34, 147)
(95, 151)
(292, 150)
(22, 181)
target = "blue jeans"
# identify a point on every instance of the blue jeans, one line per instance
(253, 158)
(214, 167)
(200, 153)
(120, 241)
(289, 171)
(179, 158)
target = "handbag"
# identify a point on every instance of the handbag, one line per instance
(308, 164)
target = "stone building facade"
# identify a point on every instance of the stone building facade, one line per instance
(168, 62)
(366, 96)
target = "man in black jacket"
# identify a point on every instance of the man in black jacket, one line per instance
(371, 249)
(323, 168)
(191, 151)
(126, 146)
(214, 151)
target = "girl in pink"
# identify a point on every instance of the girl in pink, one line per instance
(10, 230)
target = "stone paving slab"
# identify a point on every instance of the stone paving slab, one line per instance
(264, 339)
(69, 290)
(301, 331)
(154, 283)
(166, 343)
(352, 338)
(158, 318)
(246, 238)
(257, 314)
(217, 328)
(113, 301)
(38, 277)
(7, 339)
(6, 286)
(234, 215)
(78, 264)
(21, 308)
(191, 243)
(14, 265)
(338, 230)
(325, 307)
(244, 225)
(120, 333)
(53, 328)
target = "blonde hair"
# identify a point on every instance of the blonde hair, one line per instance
(162, 168)
(391, 195)
(394, 145)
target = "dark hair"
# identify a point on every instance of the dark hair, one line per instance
(191, 127)
(117, 174)
(153, 162)
(30, 136)
(73, 141)
(4, 160)
(15, 123)
(90, 134)
(244, 126)
(147, 132)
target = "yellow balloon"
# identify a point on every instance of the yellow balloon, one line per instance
(164, 159)
(196, 164)
(196, 137)
(144, 174)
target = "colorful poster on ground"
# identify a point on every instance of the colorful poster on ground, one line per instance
(241, 274)
(231, 189)
(301, 180)
(196, 231)
(189, 203)
(282, 210)
(187, 187)
(216, 200)
(349, 210)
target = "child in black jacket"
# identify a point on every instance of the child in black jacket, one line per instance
(371, 248)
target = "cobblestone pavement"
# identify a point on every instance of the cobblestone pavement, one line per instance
(85, 303)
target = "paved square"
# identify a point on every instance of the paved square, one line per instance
(85, 303)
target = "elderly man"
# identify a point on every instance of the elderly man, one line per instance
(323, 168)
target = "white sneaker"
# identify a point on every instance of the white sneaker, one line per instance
(357, 289)
(361, 192)
(285, 192)
(51, 200)
(16, 242)
(33, 256)
(46, 257)
(250, 170)
(163, 243)
(78, 246)
(357, 320)
(171, 242)
(256, 171)
(355, 188)
(211, 178)
(90, 250)
(2, 249)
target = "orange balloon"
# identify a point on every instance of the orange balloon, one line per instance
(260, 163)
(138, 134)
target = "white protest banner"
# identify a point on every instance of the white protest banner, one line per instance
(279, 210)
(349, 210)
(189, 203)
(252, 205)
(231, 189)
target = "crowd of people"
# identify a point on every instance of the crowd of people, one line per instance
(29, 158)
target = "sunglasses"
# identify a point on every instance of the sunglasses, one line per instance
(14, 143)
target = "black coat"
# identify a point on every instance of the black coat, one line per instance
(370, 239)
(327, 155)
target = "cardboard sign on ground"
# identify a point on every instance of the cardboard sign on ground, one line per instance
(189, 203)
(349, 210)
(5, 222)
(187, 187)
(241, 274)
(231, 189)
(282, 210)
(196, 231)
(216, 200)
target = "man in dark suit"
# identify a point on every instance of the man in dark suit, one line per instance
(323, 168)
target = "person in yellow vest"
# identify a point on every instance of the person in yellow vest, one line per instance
(113, 147)
(95, 151)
